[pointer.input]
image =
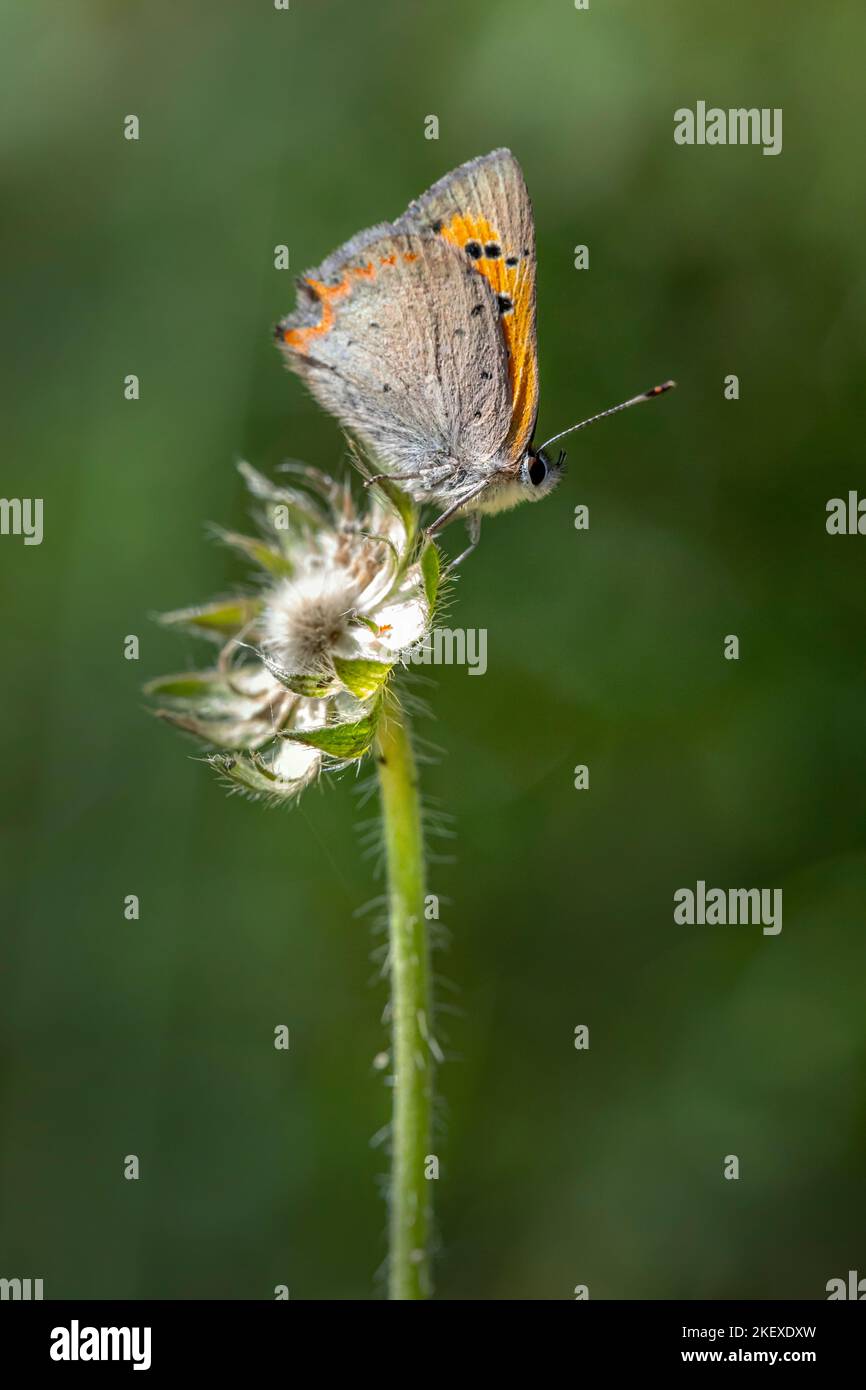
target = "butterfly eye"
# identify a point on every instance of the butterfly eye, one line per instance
(539, 474)
(537, 471)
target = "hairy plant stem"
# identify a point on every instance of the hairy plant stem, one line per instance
(410, 1211)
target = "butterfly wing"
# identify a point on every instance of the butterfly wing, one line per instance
(483, 210)
(398, 337)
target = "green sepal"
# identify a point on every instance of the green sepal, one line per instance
(312, 687)
(221, 733)
(218, 620)
(430, 571)
(362, 678)
(267, 557)
(344, 741)
(304, 506)
(314, 478)
(405, 508)
(190, 685)
(252, 775)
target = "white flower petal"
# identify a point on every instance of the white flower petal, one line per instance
(311, 714)
(294, 762)
(401, 624)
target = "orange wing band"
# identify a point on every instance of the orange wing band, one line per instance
(328, 295)
(505, 270)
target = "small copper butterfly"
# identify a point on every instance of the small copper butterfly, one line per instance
(419, 336)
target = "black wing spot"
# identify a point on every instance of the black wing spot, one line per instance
(505, 304)
(478, 415)
(474, 249)
(459, 332)
(492, 251)
(486, 376)
(436, 226)
(374, 325)
(512, 260)
(386, 387)
(479, 309)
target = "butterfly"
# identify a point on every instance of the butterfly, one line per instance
(420, 337)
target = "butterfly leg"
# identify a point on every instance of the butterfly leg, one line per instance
(441, 521)
(473, 527)
(389, 477)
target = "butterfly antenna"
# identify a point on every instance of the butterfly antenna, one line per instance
(614, 410)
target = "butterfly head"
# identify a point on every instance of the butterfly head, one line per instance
(536, 476)
(540, 473)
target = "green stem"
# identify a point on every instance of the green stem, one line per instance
(412, 1059)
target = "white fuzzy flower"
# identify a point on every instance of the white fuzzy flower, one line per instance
(299, 680)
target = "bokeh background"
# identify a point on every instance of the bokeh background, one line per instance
(605, 647)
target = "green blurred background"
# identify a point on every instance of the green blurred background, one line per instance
(605, 647)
